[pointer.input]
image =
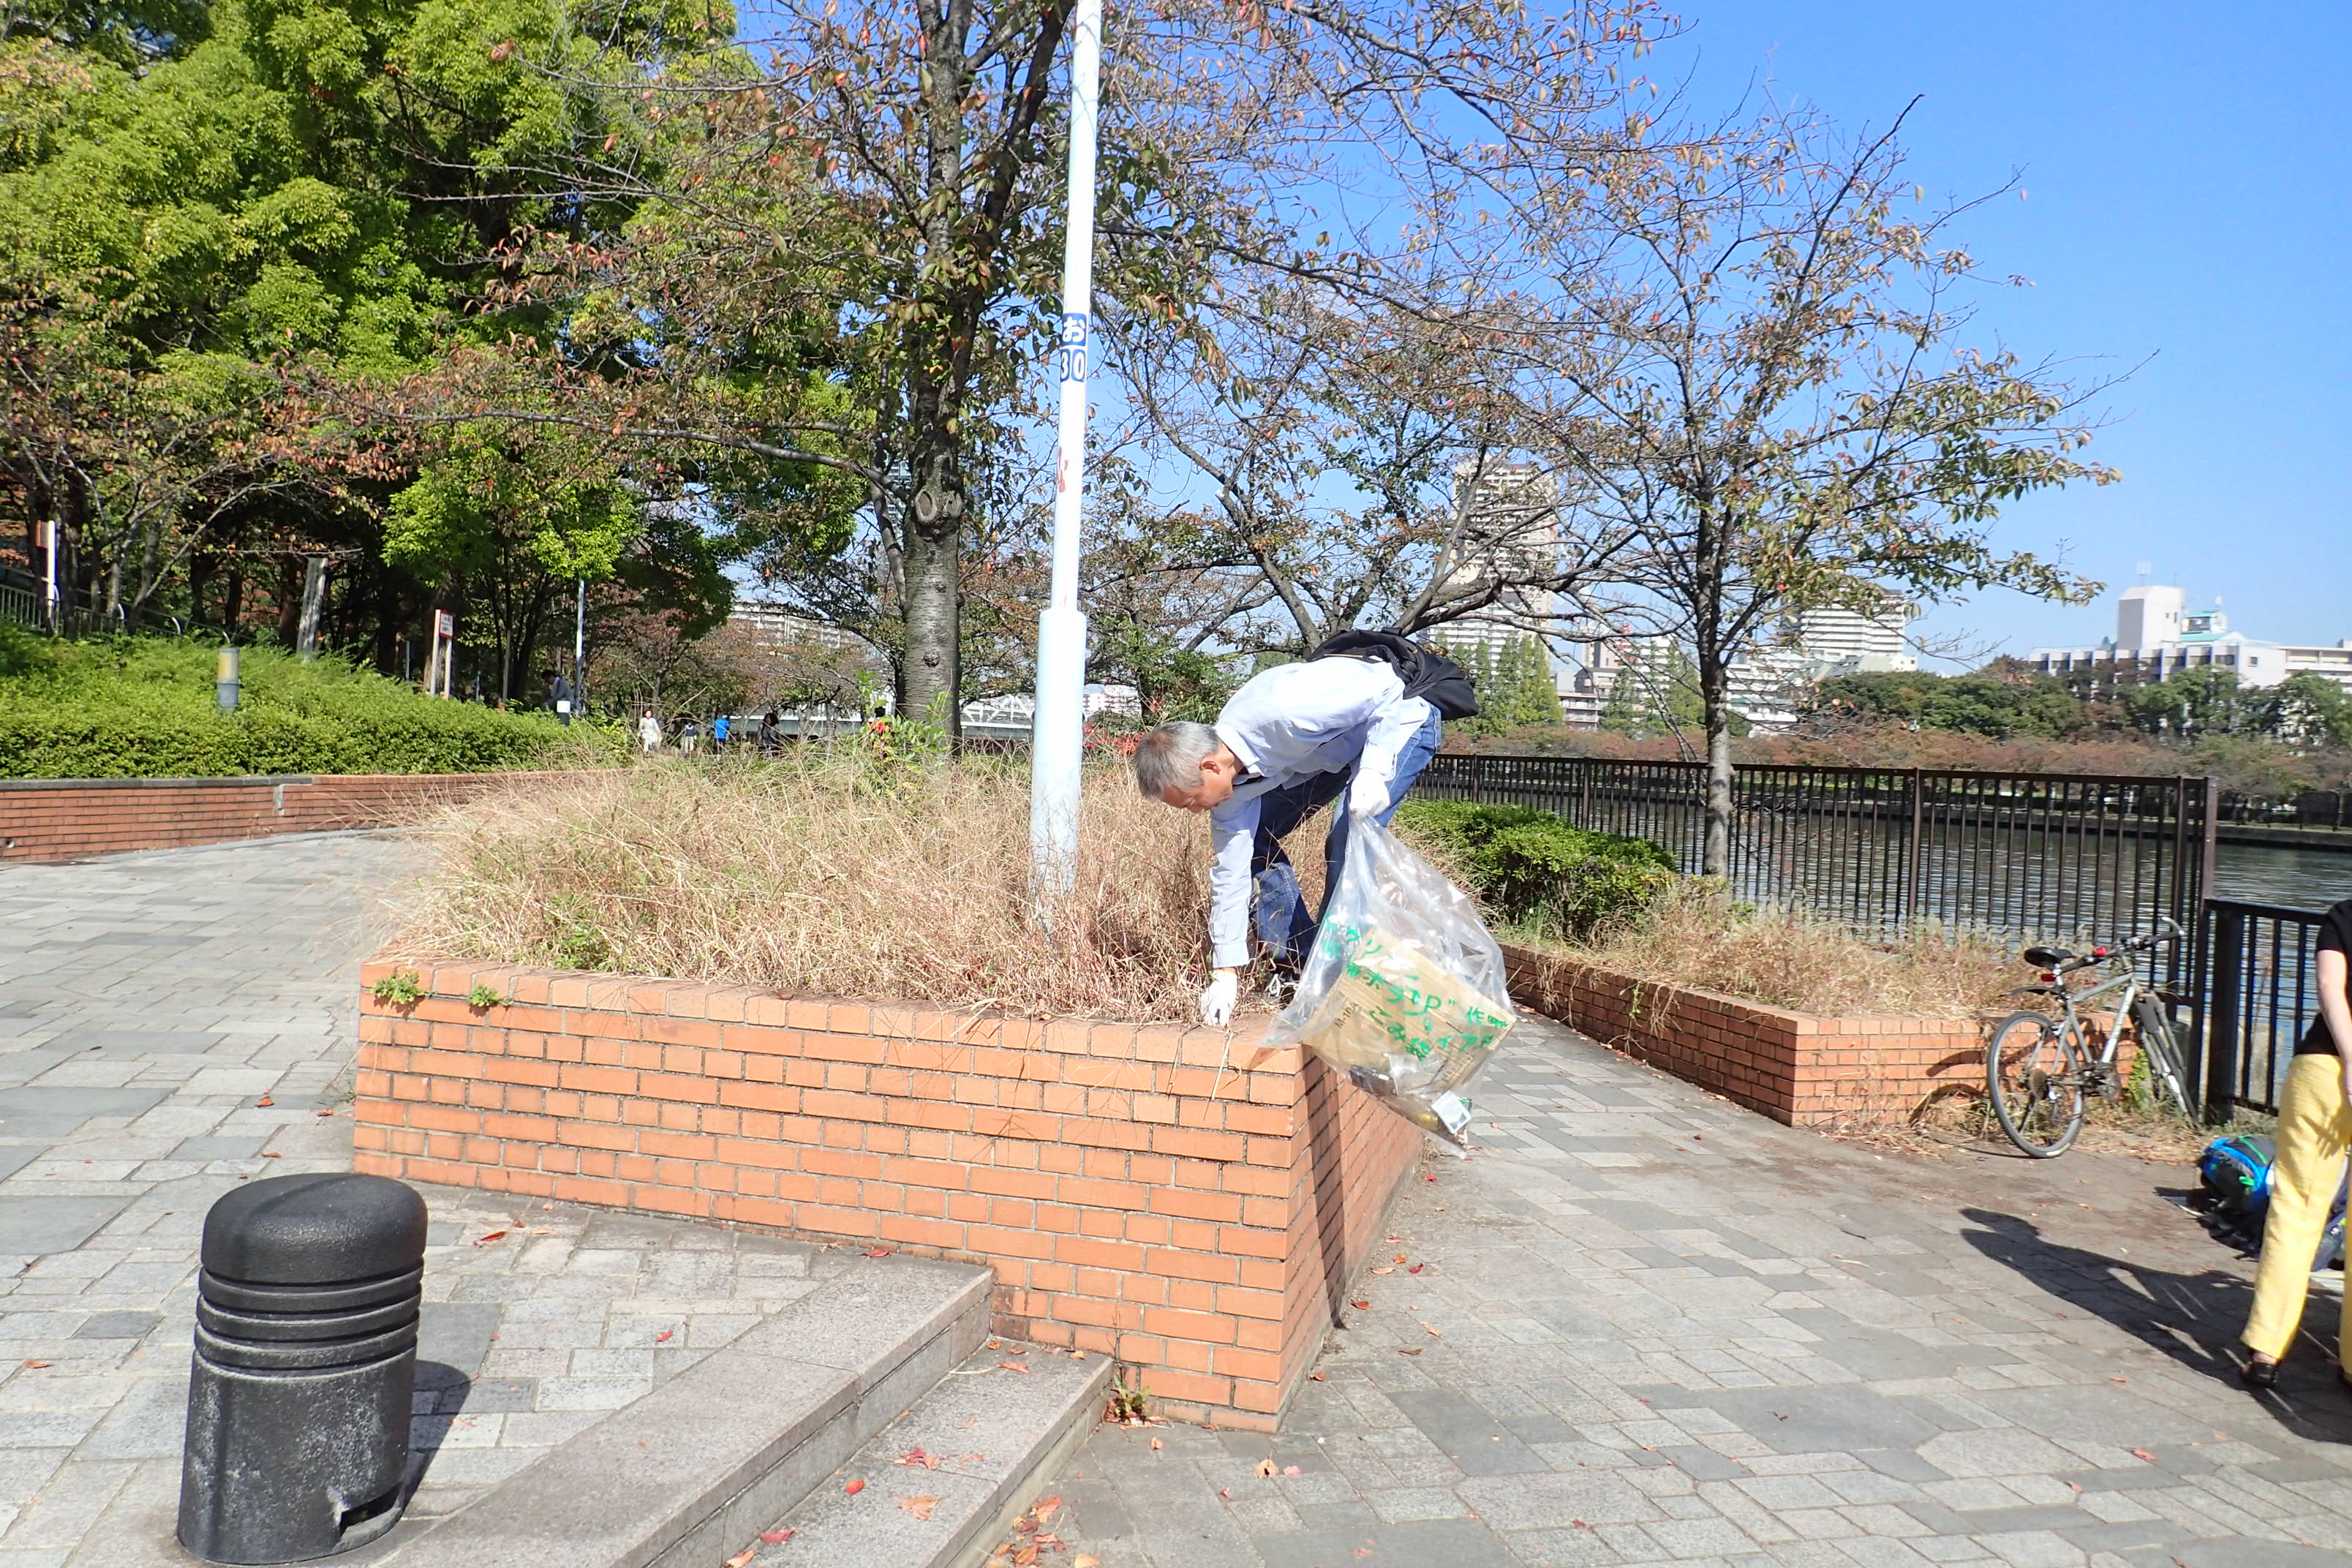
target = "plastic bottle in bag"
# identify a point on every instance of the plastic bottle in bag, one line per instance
(1404, 989)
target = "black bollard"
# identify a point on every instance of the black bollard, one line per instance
(305, 1364)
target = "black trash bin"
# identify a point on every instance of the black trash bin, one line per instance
(305, 1364)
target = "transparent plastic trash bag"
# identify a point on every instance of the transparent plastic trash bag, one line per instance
(1404, 989)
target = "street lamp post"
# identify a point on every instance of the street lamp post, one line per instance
(1056, 739)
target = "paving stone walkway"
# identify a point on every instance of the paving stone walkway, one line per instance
(174, 1024)
(1638, 1326)
(1641, 1325)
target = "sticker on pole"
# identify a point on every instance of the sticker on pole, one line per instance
(1404, 990)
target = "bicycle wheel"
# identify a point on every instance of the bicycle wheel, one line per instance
(2033, 1076)
(2161, 1045)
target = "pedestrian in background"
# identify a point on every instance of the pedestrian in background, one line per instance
(2315, 1130)
(720, 728)
(690, 733)
(649, 732)
(771, 737)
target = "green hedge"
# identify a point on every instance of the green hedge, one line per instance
(143, 708)
(1532, 870)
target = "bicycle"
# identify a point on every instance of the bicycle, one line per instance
(2040, 1071)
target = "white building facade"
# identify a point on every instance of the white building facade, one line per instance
(2157, 636)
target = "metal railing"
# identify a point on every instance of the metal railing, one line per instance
(1886, 849)
(2326, 811)
(2262, 963)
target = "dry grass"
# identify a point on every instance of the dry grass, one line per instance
(823, 877)
(1786, 958)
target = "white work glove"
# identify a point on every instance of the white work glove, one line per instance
(1217, 1001)
(1366, 798)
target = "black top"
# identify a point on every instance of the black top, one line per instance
(2334, 936)
(323, 1228)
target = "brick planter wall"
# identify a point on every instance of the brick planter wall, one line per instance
(1795, 1067)
(58, 820)
(1133, 1200)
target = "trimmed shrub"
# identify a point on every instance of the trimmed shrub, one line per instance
(142, 708)
(1536, 872)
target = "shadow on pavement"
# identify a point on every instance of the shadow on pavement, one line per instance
(448, 1388)
(2192, 1317)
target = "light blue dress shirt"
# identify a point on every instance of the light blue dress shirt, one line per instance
(1319, 716)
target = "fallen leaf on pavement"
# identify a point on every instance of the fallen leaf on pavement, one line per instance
(742, 1557)
(917, 1457)
(36, 1365)
(775, 1537)
(1045, 1509)
(1362, 1306)
(1157, 1445)
(1265, 1466)
(271, 1154)
(664, 1337)
(1314, 1377)
(1026, 1557)
(1291, 1469)
(1580, 1524)
(485, 1240)
(1398, 1259)
(1416, 1269)
(921, 1507)
(1409, 1350)
(1086, 1560)
(1385, 1269)
(853, 1487)
(877, 1252)
(1364, 1552)
(2143, 1454)
(1432, 1331)
(265, 1100)
(326, 1114)
(1013, 1366)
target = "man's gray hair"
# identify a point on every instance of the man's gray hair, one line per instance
(1169, 757)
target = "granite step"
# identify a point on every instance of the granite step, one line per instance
(944, 1481)
(685, 1475)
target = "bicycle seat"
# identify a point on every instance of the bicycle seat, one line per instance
(2047, 957)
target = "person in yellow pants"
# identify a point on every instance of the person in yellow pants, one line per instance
(2315, 1130)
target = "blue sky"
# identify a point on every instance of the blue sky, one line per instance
(2186, 171)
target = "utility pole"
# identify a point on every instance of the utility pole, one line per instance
(49, 579)
(1055, 744)
(580, 651)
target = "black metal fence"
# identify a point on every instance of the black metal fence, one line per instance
(2057, 856)
(2325, 810)
(2262, 963)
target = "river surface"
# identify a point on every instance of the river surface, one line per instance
(2299, 878)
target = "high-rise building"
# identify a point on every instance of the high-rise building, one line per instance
(1509, 515)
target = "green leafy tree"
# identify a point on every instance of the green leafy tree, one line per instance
(509, 531)
(2305, 710)
(2207, 701)
(1998, 706)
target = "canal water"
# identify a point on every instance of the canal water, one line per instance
(2298, 879)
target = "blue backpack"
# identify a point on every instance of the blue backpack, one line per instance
(2236, 1173)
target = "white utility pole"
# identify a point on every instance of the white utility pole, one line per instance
(49, 581)
(1056, 742)
(580, 651)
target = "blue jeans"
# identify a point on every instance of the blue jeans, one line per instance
(1281, 918)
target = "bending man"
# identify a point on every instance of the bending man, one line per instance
(1290, 741)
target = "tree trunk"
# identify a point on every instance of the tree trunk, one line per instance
(928, 670)
(1714, 684)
